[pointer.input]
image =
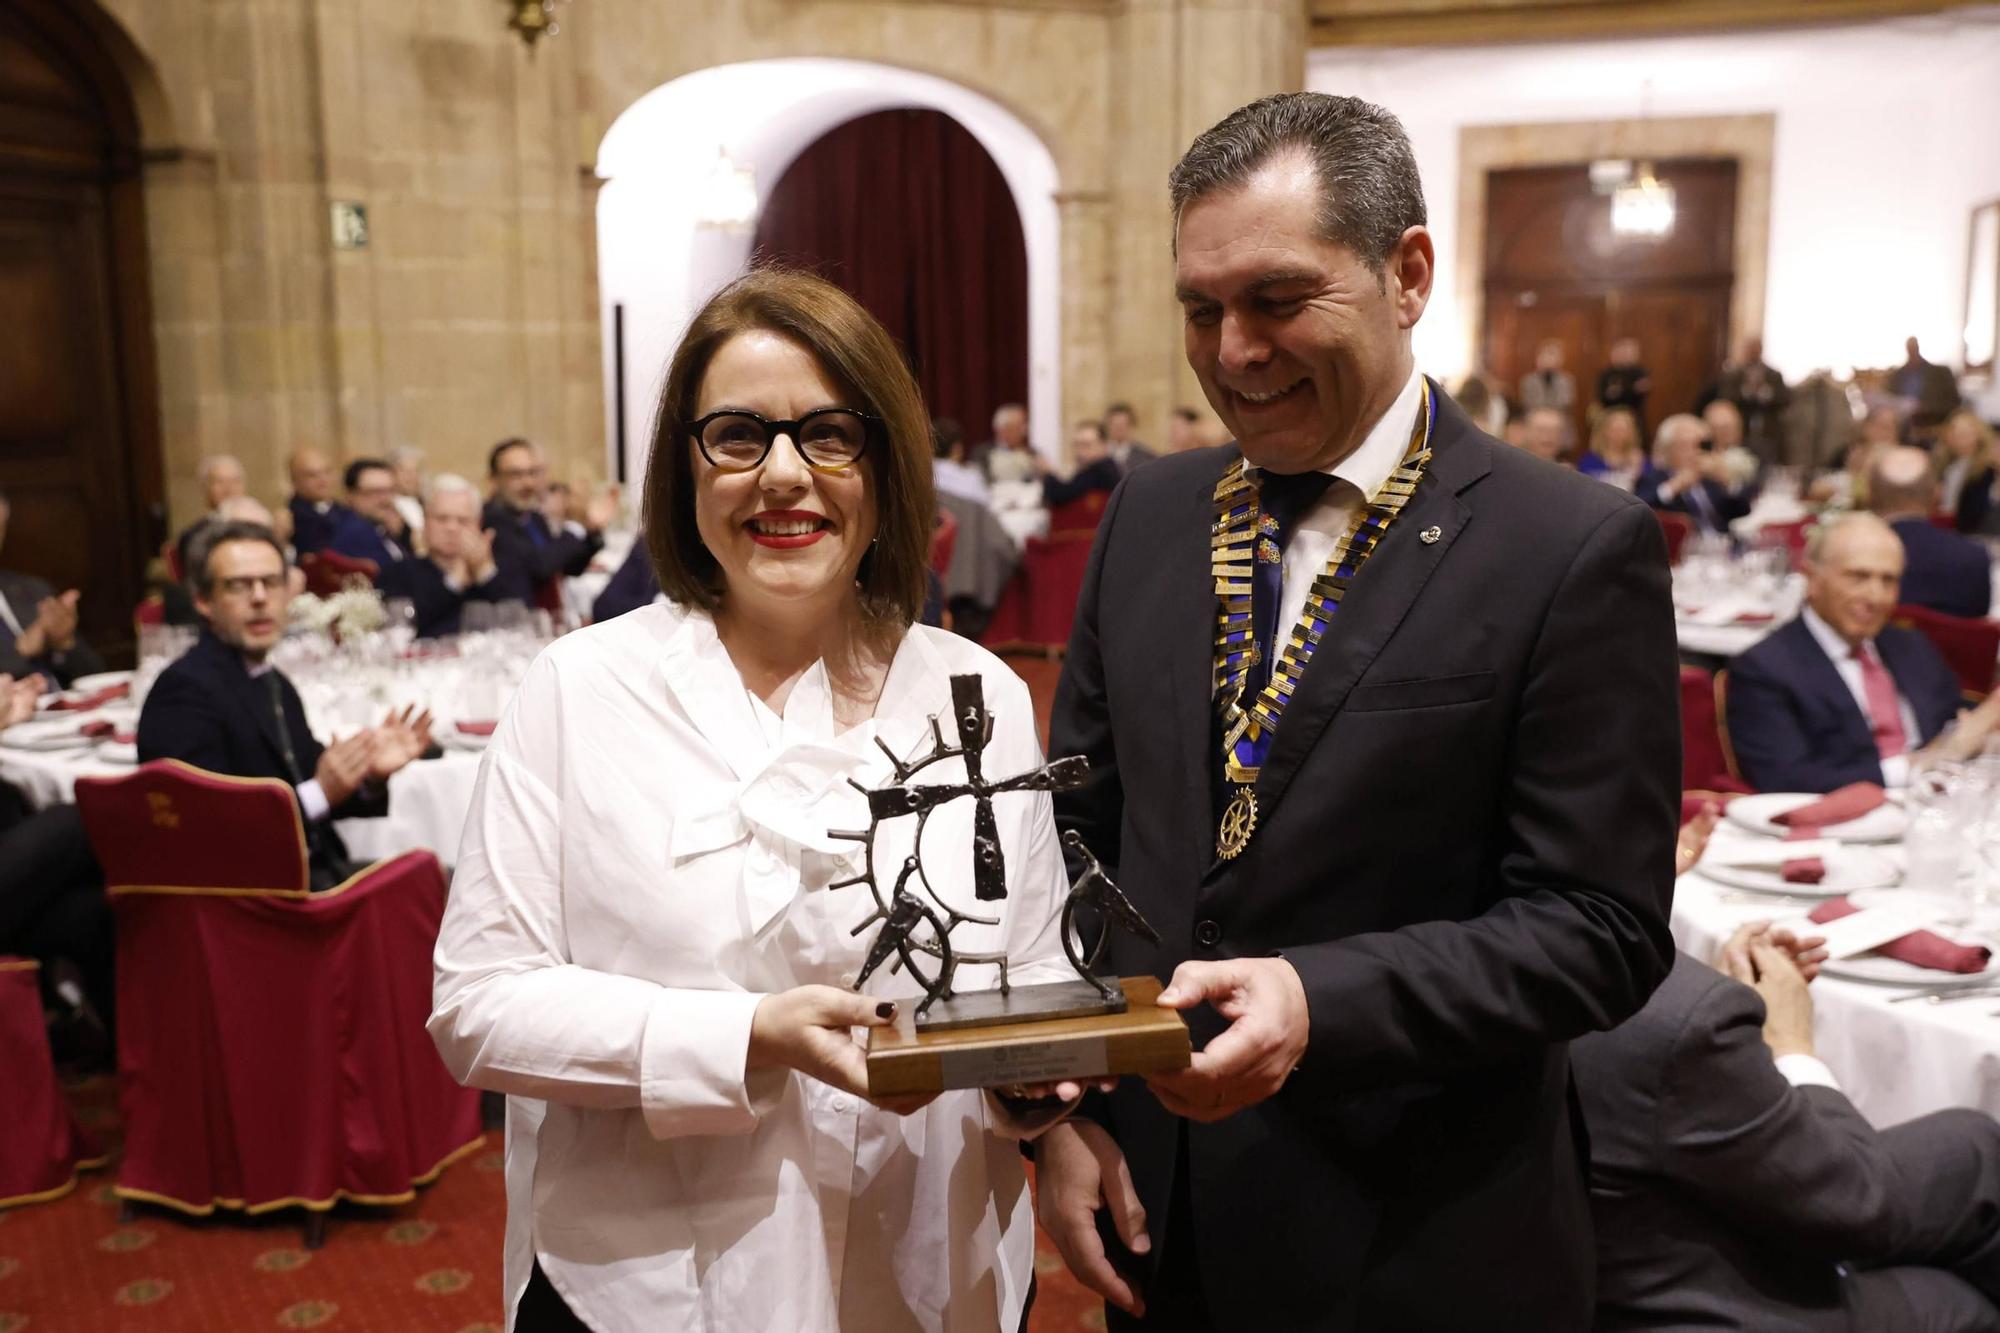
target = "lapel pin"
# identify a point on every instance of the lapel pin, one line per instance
(1430, 535)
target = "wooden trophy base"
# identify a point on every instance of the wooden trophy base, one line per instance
(985, 1040)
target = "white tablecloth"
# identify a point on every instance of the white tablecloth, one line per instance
(1894, 1060)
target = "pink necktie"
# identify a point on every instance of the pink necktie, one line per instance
(1885, 711)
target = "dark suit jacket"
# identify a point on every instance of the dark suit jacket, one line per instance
(1976, 510)
(1464, 845)
(1724, 505)
(24, 592)
(1795, 727)
(206, 710)
(356, 536)
(1944, 571)
(633, 586)
(529, 553)
(438, 606)
(1103, 475)
(1723, 1195)
(311, 530)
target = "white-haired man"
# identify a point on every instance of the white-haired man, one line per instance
(1689, 477)
(458, 564)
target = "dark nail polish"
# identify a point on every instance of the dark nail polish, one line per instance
(886, 1009)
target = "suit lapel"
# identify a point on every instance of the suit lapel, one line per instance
(1818, 674)
(248, 693)
(1377, 601)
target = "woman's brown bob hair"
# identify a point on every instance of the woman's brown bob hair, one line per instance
(858, 355)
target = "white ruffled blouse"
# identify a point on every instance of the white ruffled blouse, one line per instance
(646, 857)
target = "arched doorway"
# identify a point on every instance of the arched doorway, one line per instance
(79, 428)
(658, 260)
(907, 212)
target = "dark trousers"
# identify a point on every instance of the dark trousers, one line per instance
(1943, 1275)
(52, 902)
(1174, 1299)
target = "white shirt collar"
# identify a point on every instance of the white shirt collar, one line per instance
(1829, 639)
(1382, 451)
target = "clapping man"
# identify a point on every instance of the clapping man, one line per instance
(457, 567)
(38, 626)
(312, 511)
(1689, 477)
(531, 550)
(371, 527)
(225, 707)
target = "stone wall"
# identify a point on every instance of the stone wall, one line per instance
(472, 313)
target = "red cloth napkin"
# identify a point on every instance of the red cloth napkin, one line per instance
(96, 700)
(1850, 802)
(1804, 870)
(101, 728)
(1919, 948)
(477, 728)
(1755, 617)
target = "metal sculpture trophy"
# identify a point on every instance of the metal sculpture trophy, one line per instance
(1011, 1034)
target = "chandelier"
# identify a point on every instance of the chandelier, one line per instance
(1643, 205)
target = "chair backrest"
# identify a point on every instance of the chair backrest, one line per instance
(1677, 528)
(1791, 536)
(1079, 515)
(173, 826)
(327, 572)
(1702, 760)
(1721, 707)
(1944, 520)
(1969, 647)
(171, 555)
(944, 539)
(152, 611)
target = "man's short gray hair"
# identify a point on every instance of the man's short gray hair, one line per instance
(405, 453)
(1370, 192)
(449, 483)
(1663, 434)
(214, 461)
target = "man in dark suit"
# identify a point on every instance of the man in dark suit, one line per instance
(1839, 695)
(370, 527)
(315, 514)
(457, 565)
(1941, 570)
(1126, 451)
(38, 626)
(633, 586)
(1689, 476)
(1735, 1186)
(226, 708)
(529, 549)
(1386, 916)
(1095, 468)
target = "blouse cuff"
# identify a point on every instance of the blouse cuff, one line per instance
(693, 1064)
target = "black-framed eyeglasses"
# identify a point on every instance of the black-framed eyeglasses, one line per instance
(829, 439)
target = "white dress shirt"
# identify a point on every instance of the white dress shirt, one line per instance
(1806, 1071)
(1896, 769)
(645, 859)
(1355, 478)
(961, 479)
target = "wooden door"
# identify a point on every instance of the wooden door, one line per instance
(79, 444)
(1555, 269)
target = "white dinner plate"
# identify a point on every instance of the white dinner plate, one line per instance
(1877, 970)
(1885, 823)
(58, 731)
(1848, 870)
(451, 738)
(91, 684)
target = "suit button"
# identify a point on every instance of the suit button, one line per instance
(1207, 934)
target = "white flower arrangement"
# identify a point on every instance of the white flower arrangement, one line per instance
(347, 614)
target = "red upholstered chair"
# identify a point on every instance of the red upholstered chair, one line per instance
(327, 572)
(271, 1043)
(152, 611)
(1039, 602)
(170, 554)
(1677, 528)
(1944, 519)
(1705, 759)
(1970, 647)
(42, 1147)
(1791, 536)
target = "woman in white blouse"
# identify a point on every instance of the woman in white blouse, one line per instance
(642, 947)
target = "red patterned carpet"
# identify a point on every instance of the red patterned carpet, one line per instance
(431, 1266)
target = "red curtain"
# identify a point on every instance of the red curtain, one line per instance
(907, 213)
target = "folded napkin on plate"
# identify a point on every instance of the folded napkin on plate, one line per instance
(96, 699)
(1804, 870)
(477, 728)
(1755, 617)
(1919, 948)
(1850, 802)
(102, 729)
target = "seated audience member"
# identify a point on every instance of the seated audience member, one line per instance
(1126, 452)
(1839, 695)
(38, 626)
(370, 527)
(633, 586)
(1095, 470)
(950, 471)
(1616, 456)
(1548, 384)
(52, 903)
(1689, 477)
(457, 566)
(1941, 570)
(1734, 1186)
(1545, 434)
(1726, 441)
(314, 512)
(1183, 430)
(226, 708)
(531, 551)
(178, 602)
(1967, 480)
(407, 463)
(1625, 383)
(1008, 456)
(222, 479)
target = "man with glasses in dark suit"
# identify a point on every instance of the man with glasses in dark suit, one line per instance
(531, 551)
